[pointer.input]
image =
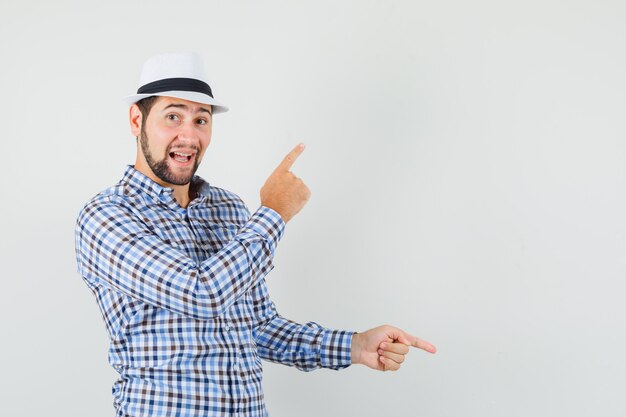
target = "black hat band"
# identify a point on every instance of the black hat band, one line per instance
(176, 84)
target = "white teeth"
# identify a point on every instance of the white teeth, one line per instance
(182, 154)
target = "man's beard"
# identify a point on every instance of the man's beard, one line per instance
(161, 169)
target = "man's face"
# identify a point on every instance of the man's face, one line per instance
(174, 138)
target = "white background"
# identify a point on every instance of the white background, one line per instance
(467, 167)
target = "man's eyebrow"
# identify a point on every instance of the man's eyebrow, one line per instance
(185, 107)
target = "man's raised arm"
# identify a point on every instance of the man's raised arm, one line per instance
(115, 248)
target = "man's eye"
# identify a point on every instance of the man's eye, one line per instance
(202, 121)
(172, 117)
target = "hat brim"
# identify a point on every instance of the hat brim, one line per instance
(217, 107)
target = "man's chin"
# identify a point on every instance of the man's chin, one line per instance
(174, 175)
(182, 178)
(179, 180)
(171, 178)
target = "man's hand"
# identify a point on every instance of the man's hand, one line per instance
(384, 348)
(283, 191)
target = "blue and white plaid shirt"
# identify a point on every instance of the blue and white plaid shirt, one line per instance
(184, 300)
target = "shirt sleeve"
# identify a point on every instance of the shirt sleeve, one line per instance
(306, 346)
(117, 250)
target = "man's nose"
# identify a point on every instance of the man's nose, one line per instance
(187, 132)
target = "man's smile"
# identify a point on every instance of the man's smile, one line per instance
(183, 157)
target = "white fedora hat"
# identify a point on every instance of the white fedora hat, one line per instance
(175, 75)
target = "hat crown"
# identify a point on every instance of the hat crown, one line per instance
(175, 65)
(179, 75)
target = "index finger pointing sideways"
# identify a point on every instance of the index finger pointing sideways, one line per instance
(291, 157)
(411, 340)
(424, 345)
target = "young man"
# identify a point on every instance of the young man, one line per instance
(178, 268)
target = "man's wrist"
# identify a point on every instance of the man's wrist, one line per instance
(355, 348)
(282, 215)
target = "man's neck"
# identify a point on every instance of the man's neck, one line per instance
(181, 194)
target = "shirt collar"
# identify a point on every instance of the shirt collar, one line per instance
(140, 183)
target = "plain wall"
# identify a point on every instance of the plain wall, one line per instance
(467, 162)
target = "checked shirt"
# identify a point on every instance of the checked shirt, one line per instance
(185, 303)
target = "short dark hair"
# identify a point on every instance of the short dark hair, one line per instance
(145, 104)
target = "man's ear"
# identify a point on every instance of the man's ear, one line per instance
(135, 120)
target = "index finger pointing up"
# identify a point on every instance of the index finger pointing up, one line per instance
(291, 157)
